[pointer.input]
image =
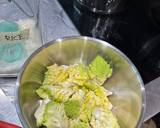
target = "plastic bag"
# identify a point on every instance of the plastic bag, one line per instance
(19, 34)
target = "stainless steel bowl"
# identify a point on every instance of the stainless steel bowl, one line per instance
(126, 84)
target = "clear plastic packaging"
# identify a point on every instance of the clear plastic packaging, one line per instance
(19, 34)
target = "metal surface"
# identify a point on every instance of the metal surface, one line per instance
(152, 98)
(126, 84)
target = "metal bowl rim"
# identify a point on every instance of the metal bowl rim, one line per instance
(105, 44)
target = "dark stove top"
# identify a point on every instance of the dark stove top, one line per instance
(135, 31)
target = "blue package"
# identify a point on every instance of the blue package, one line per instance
(11, 51)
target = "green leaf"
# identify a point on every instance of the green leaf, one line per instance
(39, 114)
(55, 75)
(72, 108)
(81, 125)
(99, 70)
(56, 92)
(78, 74)
(54, 116)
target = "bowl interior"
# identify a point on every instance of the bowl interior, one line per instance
(125, 83)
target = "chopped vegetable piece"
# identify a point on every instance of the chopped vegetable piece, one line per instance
(39, 114)
(72, 108)
(54, 116)
(55, 74)
(78, 74)
(57, 93)
(99, 70)
(103, 118)
(81, 125)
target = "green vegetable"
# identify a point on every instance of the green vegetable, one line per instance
(54, 116)
(78, 74)
(81, 125)
(88, 105)
(55, 75)
(57, 93)
(91, 86)
(39, 114)
(72, 108)
(78, 95)
(99, 70)
(42, 93)
(103, 118)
